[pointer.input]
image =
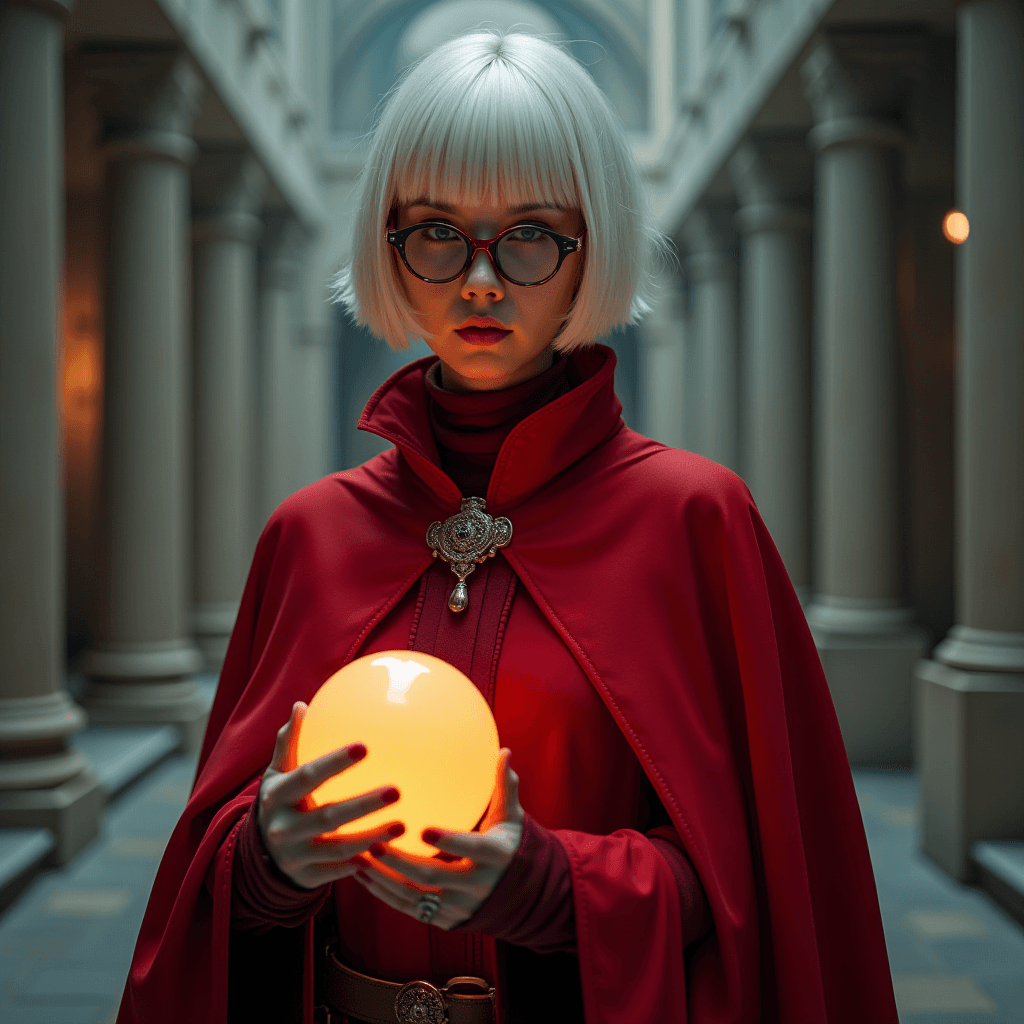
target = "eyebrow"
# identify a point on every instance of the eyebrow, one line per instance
(512, 212)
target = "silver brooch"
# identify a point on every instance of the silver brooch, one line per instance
(465, 539)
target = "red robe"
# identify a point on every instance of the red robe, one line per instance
(654, 567)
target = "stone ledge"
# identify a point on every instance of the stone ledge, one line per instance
(121, 755)
(1000, 870)
(23, 853)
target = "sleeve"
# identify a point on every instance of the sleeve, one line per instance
(262, 896)
(533, 906)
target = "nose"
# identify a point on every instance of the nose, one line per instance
(482, 280)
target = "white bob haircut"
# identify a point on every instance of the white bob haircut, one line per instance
(491, 117)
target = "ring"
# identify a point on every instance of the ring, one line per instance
(428, 905)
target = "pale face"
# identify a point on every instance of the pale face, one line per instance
(488, 333)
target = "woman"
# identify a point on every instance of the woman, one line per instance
(680, 839)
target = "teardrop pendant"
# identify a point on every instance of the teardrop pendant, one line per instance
(459, 597)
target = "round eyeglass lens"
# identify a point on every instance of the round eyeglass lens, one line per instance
(525, 256)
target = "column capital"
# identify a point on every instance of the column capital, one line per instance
(755, 185)
(283, 239)
(148, 103)
(228, 190)
(668, 309)
(57, 9)
(773, 217)
(858, 84)
(762, 205)
(711, 256)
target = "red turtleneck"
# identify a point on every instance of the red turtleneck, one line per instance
(547, 713)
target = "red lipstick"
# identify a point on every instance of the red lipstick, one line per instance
(482, 330)
(481, 335)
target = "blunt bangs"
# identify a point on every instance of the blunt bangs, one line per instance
(487, 119)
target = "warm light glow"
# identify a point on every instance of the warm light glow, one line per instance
(956, 227)
(427, 730)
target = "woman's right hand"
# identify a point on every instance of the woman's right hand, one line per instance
(293, 835)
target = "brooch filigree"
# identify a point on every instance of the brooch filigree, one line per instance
(465, 539)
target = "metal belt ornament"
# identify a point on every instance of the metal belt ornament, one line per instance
(465, 540)
(419, 1002)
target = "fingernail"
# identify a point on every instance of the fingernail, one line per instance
(377, 850)
(390, 796)
(431, 835)
(356, 752)
(396, 830)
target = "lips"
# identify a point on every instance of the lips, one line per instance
(482, 335)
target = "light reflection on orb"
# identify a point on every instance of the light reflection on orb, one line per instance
(428, 731)
(956, 227)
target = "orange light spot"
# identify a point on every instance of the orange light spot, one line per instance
(428, 731)
(956, 227)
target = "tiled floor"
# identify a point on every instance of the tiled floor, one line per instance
(66, 944)
(955, 956)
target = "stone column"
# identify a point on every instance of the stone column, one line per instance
(663, 335)
(776, 345)
(971, 728)
(278, 370)
(863, 629)
(143, 657)
(44, 781)
(711, 266)
(225, 232)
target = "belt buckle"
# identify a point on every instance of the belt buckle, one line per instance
(419, 1002)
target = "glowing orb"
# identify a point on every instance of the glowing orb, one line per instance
(956, 227)
(428, 731)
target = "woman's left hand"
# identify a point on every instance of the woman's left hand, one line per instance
(461, 885)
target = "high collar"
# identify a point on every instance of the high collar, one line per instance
(538, 447)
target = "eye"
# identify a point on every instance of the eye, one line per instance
(440, 233)
(527, 233)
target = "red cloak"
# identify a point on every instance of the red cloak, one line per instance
(656, 570)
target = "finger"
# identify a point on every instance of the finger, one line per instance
(430, 873)
(455, 907)
(330, 817)
(294, 728)
(300, 782)
(283, 741)
(334, 849)
(499, 799)
(472, 847)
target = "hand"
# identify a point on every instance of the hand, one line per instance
(292, 834)
(465, 883)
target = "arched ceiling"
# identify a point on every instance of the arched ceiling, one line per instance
(371, 44)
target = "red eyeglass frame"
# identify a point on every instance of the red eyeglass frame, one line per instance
(567, 244)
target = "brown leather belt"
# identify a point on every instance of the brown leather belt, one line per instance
(419, 1002)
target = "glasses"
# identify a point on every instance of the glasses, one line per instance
(524, 254)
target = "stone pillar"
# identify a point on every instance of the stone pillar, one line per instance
(711, 266)
(971, 694)
(143, 657)
(776, 346)
(44, 781)
(663, 376)
(225, 232)
(279, 375)
(863, 629)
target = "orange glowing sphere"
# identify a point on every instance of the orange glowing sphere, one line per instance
(955, 227)
(427, 730)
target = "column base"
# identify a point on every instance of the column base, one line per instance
(72, 811)
(211, 626)
(870, 678)
(970, 739)
(178, 703)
